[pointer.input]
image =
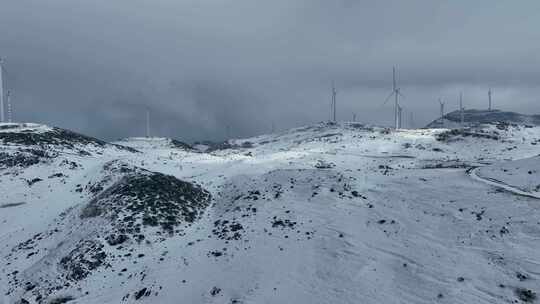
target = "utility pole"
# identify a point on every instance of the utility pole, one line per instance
(9, 109)
(334, 93)
(411, 120)
(147, 122)
(354, 117)
(489, 98)
(461, 109)
(441, 103)
(2, 118)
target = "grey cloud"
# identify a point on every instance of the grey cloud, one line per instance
(205, 67)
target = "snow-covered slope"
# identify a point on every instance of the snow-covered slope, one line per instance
(474, 117)
(523, 174)
(329, 213)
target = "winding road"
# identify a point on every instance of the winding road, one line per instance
(473, 172)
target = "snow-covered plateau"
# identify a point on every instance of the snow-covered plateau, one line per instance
(327, 213)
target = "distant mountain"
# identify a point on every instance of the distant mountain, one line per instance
(475, 117)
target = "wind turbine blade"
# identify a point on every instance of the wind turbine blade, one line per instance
(388, 98)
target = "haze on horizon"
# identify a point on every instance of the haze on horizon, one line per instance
(200, 66)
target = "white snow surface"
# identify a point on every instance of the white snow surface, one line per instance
(389, 217)
(523, 174)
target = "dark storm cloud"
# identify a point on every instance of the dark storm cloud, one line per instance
(209, 68)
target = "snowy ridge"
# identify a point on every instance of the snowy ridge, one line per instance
(328, 213)
(24, 127)
(474, 117)
(152, 143)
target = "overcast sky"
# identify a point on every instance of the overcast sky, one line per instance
(202, 65)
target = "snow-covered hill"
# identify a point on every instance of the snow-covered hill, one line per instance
(328, 213)
(474, 117)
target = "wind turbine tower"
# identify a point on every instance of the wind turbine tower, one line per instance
(461, 109)
(2, 118)
(147, 122)
(400, 111)
(489, 98)
(334, 93)
(9, 109)
(441, 103)
(396, 93)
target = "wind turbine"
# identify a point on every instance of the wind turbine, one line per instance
(489, 98)
(461, 109)
(396, 92)
(2, 119)
(9, 109)
(400, 110)
(147, 122)
(334, 93)
(441, 103)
